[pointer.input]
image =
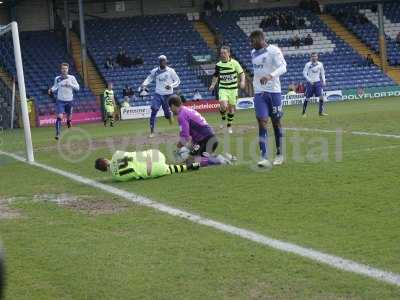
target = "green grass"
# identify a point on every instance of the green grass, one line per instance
(348, 208)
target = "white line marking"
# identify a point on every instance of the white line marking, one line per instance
(371, 149)
(331, 260)
(344, 131)
(376, 134)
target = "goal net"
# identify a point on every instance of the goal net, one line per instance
(7, 97)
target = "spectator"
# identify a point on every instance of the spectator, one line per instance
(30, 102)
(363, 19)
(138, 61)
(207, 6)
(218, 6)
(274, 20)
(308, 41)
(296, 42)
(143, 92)
(219, 40)
(264, 23)
(398, 39)
(109, 63)
(125, 103)
(301, 22)
(291, 89)
(304, 4)
(197, 96)
(127, 93)
(314, 4)
(300, 89)
(369, 60)
(283, 22)
(120, 57)
(123, 59)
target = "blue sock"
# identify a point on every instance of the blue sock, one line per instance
(263, 141)
(58, 126)
(305, 106)
(321, 106)
(278, 139)
(153, 120)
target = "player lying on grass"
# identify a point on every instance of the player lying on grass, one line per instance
(125, 166)
(196, 136)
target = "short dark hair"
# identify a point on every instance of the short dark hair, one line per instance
(175, 100)
(64, 64)
(314, 53)
(257, 34)
(101, 164)
(227, 48)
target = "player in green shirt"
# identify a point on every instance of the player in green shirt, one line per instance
(109, 104)
(227, 72)
(125, 166)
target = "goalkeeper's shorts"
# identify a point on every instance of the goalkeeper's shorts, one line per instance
(209, 145)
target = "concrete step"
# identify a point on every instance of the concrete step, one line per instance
(95, 81)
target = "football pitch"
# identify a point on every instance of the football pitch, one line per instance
(337, 193)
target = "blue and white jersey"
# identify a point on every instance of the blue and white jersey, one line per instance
(268, 61)
(314, 72)
(65, 87)
(163, 78)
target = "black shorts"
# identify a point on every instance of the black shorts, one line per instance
(208, 145)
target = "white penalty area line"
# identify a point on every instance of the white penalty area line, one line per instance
(394, 136)
(323, 258)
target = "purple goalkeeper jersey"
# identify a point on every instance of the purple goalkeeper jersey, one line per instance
(193, 125)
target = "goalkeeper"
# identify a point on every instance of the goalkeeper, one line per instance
(125, 166)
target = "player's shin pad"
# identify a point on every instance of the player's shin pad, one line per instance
(58, 126)
(230, 119)
(321, 106)
(263, 142)
(223, 114)
(305, 106)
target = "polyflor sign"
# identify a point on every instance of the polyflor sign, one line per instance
(371, 93)
(203, 105)
(248, 102)
(138, 112)
(77, 118)
(330, 96)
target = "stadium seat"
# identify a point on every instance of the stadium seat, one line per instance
(340, 60)
(42, 53)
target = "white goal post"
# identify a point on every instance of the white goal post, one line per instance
(13, 27)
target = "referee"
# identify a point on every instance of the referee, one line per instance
(65, 85)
